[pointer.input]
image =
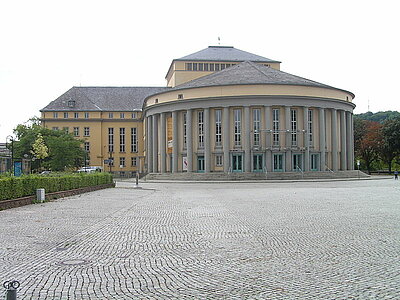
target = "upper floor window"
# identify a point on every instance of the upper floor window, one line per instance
(122, 140)
(200, 123)
(122, 115)
(110, 140)
(65, 115)
(110, 115)
(55, 115)
(86, 131)
(76, 131)
(71, 103)
(237, 118)
(134, 140)
(76, 115)
(134, 115)
(86, 115)
(184, 130)
(256, 126)
(275, 126)
(293, 123)
(218, 127)
(310, 126)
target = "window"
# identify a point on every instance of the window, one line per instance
(86, 131)
(180, 96)
(122, 115)
(134, 140)
(134, 161)
(184, 130)
(222, 66)
(218, 160)
(71, 103)
(201, 66)
(275, 127)
(194, 66)
(216, 67)
(55, 115)
(65, 115)
(122, 140)
(54, 128)
(110, 115)
(227, 65)
(256, 126)
(86, 115)
(76, 131)
(200, 122)
(66, 129)
(87, 146)
(212, 67)
(122, 162)
(189, 67)
(76, 115)
(218, 127)
(310, 127)
(206, 67)
(110, 140)
(237, 115)
(293, 126)
(134, 116)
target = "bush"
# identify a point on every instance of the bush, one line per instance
(17, 187)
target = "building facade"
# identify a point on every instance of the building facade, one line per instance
(223, 110)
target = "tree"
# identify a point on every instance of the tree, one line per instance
(390, 147)
(368, 141)
(63, 150)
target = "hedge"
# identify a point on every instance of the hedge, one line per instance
(17, 187)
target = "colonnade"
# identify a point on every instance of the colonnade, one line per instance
(163, 155)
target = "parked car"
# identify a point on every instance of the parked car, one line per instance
(90, 169)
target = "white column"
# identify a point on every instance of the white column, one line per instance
(149, 144)
(306, 140)
(322, 143)
(247, 140)
(189, 139)
(343, 140)
(163, 143)
(175, 150)
(207, 141)
(155, 143)
(226, 137)
(334, 141)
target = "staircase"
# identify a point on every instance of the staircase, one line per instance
(219, 176)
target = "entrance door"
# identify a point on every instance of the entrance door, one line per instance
(200, 164)
(314, 158)
(237, 163)
(257, 163)
(297, 162)
(278, 162)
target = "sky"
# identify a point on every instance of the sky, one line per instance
(46, 47)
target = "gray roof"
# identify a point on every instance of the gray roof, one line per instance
(224, 53)
(249, 73)
(103, 98)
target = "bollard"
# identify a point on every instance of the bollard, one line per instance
(11, 287)
(40, 195)
(137, 179)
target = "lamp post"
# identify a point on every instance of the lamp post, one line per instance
(11, 138)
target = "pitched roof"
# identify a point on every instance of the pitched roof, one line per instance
(249, 73)
(224, 53)
(103, 98)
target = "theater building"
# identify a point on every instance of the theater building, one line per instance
(223, 110)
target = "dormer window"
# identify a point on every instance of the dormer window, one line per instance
(71, 103)
(180, 96)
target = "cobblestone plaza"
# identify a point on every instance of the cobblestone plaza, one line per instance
(287, 240)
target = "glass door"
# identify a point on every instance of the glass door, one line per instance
(257, 163)
(314, 162)
(278, 162)
(200, 164)
(297, 162)
(237, 163)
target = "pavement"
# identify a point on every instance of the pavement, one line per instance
(285, 240)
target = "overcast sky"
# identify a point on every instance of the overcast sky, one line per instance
(49, 46)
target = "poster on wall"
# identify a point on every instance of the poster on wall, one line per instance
(184, 163)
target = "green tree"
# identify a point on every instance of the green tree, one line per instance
(391, 142)
(40, 150)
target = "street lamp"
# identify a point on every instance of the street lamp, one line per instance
(11, 138)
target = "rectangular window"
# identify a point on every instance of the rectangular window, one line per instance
(76, 131)
(237, 115)
(227, 65)
(256, 126)
(216, 67)
(200, 122)
(201, 66)
(222, 66)
(188, 66)
(275, 127)
(218, 127)
(194, 66)
(55, 128)
(134, 116)
(184, 130)
(310, 127)
(219, 162)
(66, 129)
(134, 161)
(86, 131)
(293, 126)
(86, 115)
(87, 147)
(206, 67)
(122, 140)
(110, 140)
(76, 115)
(122, 115)
(55, 115)
(110, 115)
(212, 67)
(134, 140)
(65, 115)
(122, 162)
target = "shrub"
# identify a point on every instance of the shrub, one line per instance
(17, 187)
